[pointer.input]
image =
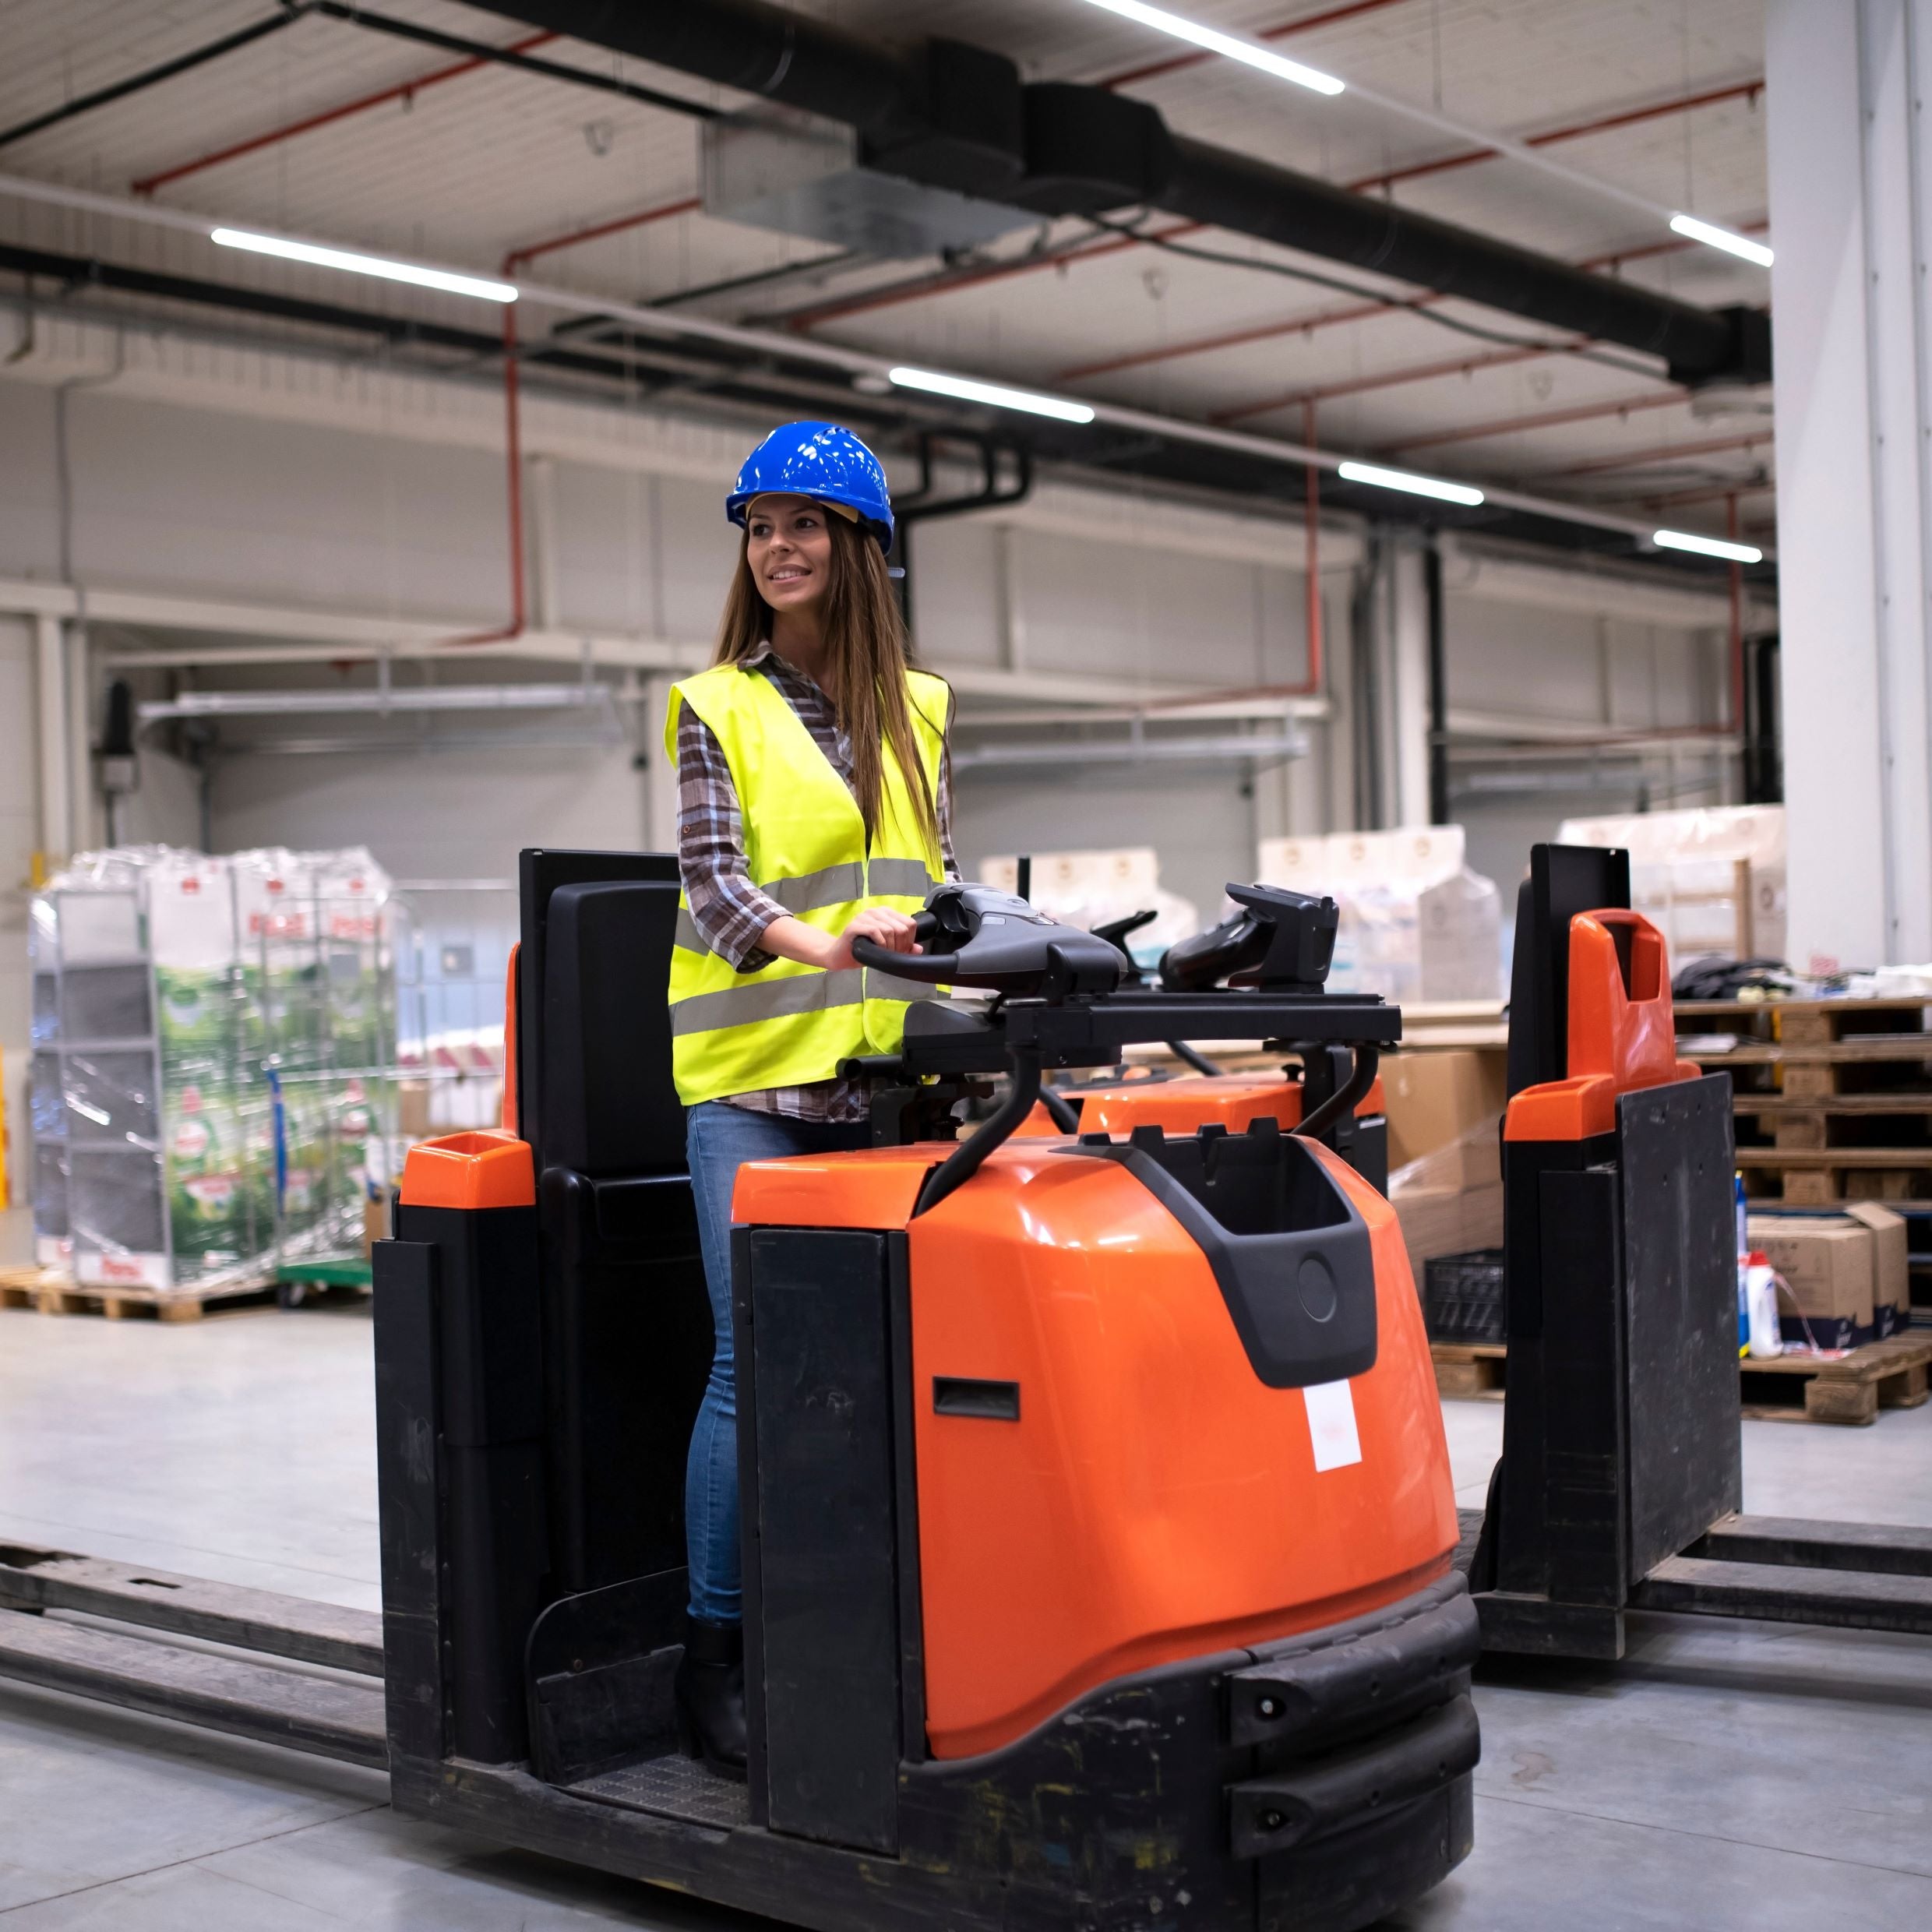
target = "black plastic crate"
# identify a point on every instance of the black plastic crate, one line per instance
(1462, 1297)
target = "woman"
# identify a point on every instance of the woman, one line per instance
(812, 808)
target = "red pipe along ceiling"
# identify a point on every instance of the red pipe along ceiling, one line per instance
(1548, 419)
(513, 407)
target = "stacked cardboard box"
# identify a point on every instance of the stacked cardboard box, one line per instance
(1846, 1278)
(1450, 1201)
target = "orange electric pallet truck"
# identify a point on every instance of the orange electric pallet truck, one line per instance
(1621, 1482)
(1098, 1521)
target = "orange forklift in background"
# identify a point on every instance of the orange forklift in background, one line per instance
(1098, 1521)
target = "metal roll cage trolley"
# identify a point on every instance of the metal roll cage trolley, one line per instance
(542, 1340)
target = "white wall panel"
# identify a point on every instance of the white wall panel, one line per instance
(284, 509)
(30, 543)
(1198, 818)
(454, 815)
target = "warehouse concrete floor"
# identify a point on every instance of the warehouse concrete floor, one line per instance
(1726, 1775)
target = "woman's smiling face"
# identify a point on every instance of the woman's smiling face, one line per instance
(789, 548)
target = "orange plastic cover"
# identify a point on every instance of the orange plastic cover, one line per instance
(1621, 1038)
(1154, 1500)
(490, 1167)
(1187, 1105)
(1190, 1103)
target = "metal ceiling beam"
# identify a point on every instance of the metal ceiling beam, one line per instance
(958, 116)
(1173, 449)
(405, 90)
(164, 70)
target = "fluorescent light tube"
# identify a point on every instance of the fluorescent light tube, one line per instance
(1250, 52)
(1415, 486)
(1708, 546)
(376, 265)
(1713, 237)
(1001, 398)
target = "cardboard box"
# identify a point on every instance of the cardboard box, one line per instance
(1828, 1264)
(1450, 1200)
(412, 1108)
(1892, 1265)
(1448, 1221)
(1435, 1095)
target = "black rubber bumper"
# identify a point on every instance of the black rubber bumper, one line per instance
(1354, 1722)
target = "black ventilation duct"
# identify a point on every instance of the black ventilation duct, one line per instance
(958, 116)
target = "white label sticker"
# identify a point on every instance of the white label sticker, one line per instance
(1331, 1426)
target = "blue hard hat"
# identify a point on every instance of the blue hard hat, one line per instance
(820, 460)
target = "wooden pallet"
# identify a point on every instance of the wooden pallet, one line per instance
(1817, 1177)
(1471, 1368)
(1838, 1054)
(1850, 1390)
(56, 1294)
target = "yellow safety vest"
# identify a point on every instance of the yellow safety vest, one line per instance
(734, 1032)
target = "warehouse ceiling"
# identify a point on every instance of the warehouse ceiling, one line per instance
(386, 130)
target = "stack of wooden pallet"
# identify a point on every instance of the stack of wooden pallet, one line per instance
(1833, 1097)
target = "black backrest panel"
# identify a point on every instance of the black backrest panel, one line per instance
(1563, 880)
(593, 1046)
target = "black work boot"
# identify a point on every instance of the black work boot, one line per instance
(710, 1692)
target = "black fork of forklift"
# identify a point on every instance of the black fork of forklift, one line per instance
(1621, 1476)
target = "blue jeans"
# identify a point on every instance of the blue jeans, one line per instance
(718, 1138)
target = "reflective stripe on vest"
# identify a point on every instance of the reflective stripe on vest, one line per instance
(833, 886)
(786, 1023)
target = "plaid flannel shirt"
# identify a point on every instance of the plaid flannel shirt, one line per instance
(726, 906)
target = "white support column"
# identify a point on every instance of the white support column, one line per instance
(660, 780)
(87, 827)
(1850, 167)
(1406, 692)
(1011, 610)
(541, 493)
(50, 673)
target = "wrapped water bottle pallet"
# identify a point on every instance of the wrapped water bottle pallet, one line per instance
(1851, 1388)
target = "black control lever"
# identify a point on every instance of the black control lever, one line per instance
(977, 936)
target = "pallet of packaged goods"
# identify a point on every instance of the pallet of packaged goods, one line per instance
(1848, 1390)
(1833, 1097)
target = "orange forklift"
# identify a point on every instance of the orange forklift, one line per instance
(1098, 1521)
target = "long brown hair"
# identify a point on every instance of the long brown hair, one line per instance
(867, 655)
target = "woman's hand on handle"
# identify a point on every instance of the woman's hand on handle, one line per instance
(792, 938)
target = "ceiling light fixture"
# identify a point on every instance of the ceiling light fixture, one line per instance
(1708, 546)
(377, 265)
(1713, 237)
(1462, 493)
(1253, 55)
(1250, 52)
(967, 391)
